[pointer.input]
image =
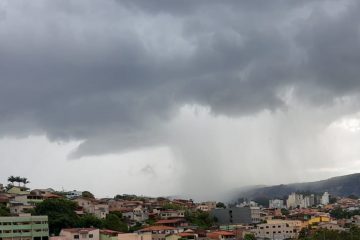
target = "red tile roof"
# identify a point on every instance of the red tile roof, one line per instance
(156, 228)
(78, 230)
(165, 221)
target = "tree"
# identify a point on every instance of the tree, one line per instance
(199, 218)
(285, 212)
(18, 179)
(220, 205)
(113, 222)
(87, 194)
(249, 236)
(11, 179)
(25, 181)
(89, 220)
(61, 213)
(4, 211)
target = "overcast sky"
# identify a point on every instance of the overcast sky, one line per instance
(178, 97)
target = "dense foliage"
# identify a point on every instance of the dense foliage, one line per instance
(199, 218)
(61, 213)
(87, 194)
(340, 213)
(321, 234)
(4, 211)
(220, 205)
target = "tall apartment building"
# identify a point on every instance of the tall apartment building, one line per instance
(294, 200)
(325, 198)
(234, 215)
(24, 227)
(276, 203)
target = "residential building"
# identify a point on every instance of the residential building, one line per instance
(73, 194)
(100, 210)
(135, 236)
(221, 235)
(276, 203)
(19, 208)
(172, 214)
(24, 227)
(159, 232)
(331, 226)
(80, 233)
(138, 214)
(278, 229)
(325, 198)
(305, 202)
(255, 214)
(294, 200)
(234, 215)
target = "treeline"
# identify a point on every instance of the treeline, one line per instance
(321, 234)
(61, 213)
(339, 213)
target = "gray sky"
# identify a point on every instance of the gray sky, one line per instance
(178, 97)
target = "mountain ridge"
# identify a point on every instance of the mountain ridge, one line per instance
(338, 186)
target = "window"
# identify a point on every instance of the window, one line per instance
(91, 235)
(76, 236)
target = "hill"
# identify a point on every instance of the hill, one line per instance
(336, 186)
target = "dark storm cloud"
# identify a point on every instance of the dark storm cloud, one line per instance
(114, 73)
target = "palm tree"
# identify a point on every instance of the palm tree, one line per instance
(25, 181)
(11, 179)
(18, 179)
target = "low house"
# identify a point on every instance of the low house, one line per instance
(159, 232)
(92, 206)
(221, 235)
(106, 234)
(18, 208)
(80, 233)
(330, 226)
(172, 214)
(278, 229)
(176, 222)
(135, 236)
(137, 214)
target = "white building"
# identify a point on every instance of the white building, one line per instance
(276, 203)
(278, 229)
(305, 202)
(325, 199)
(294, 200)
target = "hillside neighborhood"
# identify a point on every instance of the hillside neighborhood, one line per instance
(43, 214)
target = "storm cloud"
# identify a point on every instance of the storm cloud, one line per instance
(117, 74)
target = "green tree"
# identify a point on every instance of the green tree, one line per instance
(4, 211)
(113, 222)
(249, 237)
(11, 179)
(87, 194)
(285, 212)
(61, 213)
(199, 218)
(89, 220)
(220, 205)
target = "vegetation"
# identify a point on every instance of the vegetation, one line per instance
(199, 218)
(249, 237)
(172, 206)
(321, 234)
(87, 194)
(18, 180)
(4, 211)
(285, 212)
(62, 214)
(113, 222)
(339, 213)
(220, 205)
